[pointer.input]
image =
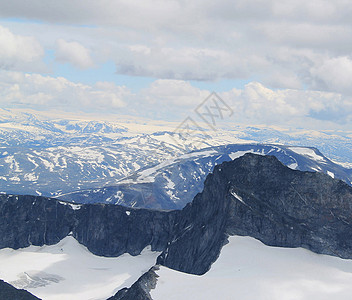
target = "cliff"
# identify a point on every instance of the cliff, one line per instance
(258, 196)
(106, 230)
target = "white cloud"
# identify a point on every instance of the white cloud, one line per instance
(281, 43)
(18, 52)
(334, 74)
(254, 104)
(73, 53)
(177, 99)
(175, 93)
(261, 105)
(45, 92)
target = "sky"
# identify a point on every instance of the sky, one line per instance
(273, 62)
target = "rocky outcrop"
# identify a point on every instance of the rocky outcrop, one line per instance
(7, 291)
(140, 290)
(258, 196)
(107, 230)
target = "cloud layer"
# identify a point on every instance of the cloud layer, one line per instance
(285, 44)
(176, 99)
(45, 92)
(295, 54)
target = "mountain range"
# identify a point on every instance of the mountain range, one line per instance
(254, 196)
(175, 182)
(56, 155)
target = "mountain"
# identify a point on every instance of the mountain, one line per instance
(253, 195)
(51, 155)
(175, 182)
(9, 292)
(258, 196)
(106, 230)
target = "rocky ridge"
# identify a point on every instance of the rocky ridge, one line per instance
(258, 196)
(106, 230)
(253, 195)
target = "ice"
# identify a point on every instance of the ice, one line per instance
(239, 198)
(307, 152)
(68, 270)
(331, 174)
(145, 175)
(73, 206)
(238, 154)
(30, 177)
(247, 269)
(170, 184)
(31, 159)
(197, 154)
(293, 166)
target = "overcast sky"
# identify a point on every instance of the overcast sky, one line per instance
(274, 62)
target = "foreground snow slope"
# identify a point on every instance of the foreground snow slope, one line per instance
(247, 270)
(68, 270)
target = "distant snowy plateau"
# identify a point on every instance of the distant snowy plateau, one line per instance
(137, 166)
(52, 157)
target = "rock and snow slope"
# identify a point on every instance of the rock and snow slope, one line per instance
(45, 156)
(68, 270)
(258, 196)
(253, 195)
(175, 182)
(247, 269)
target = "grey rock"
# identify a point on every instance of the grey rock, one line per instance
(258, 196)
(8, 292)
(140, 290)
(107, 230)
(253, 195)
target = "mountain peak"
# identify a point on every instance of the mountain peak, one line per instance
(258, 196)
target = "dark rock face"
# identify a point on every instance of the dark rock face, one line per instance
(290, 208)
(258, 196)
(140, 290)
(107, 230)
(112, 230)
(30, 220)
(8, 292)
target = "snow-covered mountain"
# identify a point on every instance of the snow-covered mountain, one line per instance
(51, 155)
(53, 170)
(174, 183)
(254, 196)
